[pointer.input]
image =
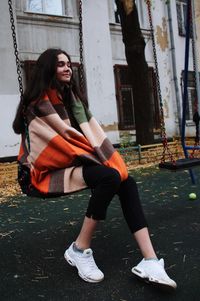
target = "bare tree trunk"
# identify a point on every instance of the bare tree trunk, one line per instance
(138, 69)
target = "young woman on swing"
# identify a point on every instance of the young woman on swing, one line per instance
(68, 151)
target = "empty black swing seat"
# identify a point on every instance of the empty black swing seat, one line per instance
(180, 164)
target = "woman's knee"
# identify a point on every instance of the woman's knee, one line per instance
(128, 189)
(103, 193)
(130, 181)
(98, 175)
(112, 178)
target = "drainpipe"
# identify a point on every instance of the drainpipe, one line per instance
(174, 70)
(196, 67)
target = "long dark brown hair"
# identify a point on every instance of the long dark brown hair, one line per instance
(43, 78)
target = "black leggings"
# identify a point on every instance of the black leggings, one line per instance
(105, 182)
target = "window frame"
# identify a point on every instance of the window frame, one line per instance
(191, 103)
(66, 9)
(116, 13)
(112, 12)
(118, 87)
(114, 17)
(154, 98)
(191, 95)
(28, 66)
(181, 20)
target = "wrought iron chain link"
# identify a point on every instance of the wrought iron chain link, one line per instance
(18, 64)
(16, 53)
(162, 122)
(82, 82)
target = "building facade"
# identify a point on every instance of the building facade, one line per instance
(41, 24)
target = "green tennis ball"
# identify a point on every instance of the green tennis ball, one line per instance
(192, 196)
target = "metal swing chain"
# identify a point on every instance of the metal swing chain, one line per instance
(18, 64)
(17, 60)
(162, 123)
(82, 82)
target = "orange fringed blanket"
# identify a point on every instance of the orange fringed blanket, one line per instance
(58, 151)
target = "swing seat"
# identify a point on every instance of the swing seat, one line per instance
(24, 180)
(180, 164)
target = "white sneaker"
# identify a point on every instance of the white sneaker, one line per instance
(153, 271)
(85, 264)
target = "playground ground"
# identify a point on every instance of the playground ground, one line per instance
(35, 232)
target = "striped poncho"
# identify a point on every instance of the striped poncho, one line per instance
(57, 151)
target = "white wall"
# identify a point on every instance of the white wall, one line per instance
(99, 65)
(38, 32)
(103, 48)
(197, 21)
(180, 61)
(162, 41)
(9, 95)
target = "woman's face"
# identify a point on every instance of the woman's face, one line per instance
(63, 69)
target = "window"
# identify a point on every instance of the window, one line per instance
(181, 7)
(117, 16)
(142, 13)
(125, 101)
(190, 108)
(29, 66)
(192, 96)
(154, 98)
(54, 7)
